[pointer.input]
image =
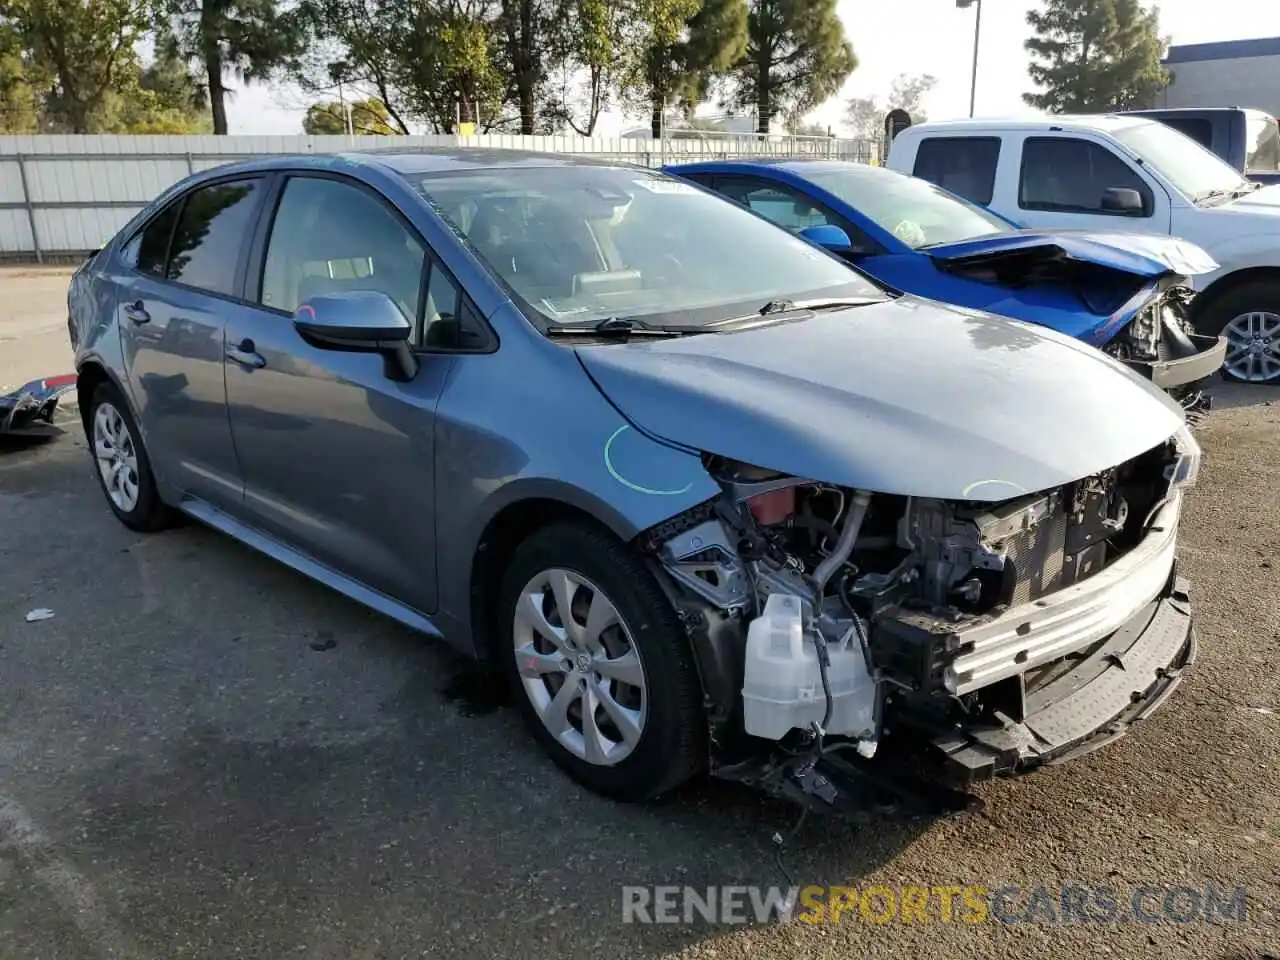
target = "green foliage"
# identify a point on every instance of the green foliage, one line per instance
(250, 39)
(1095, 55)
(84, 49)
(591, 62)
(797, 57)
(526, 65)
(71, 66)
(681, 48)
(19, 104)
(368, 118)
(433, 62)
(526, 30)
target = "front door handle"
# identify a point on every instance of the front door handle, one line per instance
(137, 312)
(246, 354)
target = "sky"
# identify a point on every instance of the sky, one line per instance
(888, 42)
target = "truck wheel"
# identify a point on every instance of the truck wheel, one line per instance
(1249, 317)
(599, 665)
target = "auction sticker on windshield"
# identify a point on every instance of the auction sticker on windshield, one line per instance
(666, 186)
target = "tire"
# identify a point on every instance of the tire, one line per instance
(1249, 316)
(589, 565)
(121, 463)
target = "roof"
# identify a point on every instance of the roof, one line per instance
(1077, 122)
(800, 165)
(1226, 50)
(445, 161)
(408, 162)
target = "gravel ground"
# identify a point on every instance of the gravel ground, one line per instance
(202, 754)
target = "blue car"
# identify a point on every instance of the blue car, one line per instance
(1125, 293)
(654, 461)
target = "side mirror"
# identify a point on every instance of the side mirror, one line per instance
(828, 236)
(1122, 200)
(362, 321)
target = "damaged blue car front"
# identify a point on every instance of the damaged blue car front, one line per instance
(1127, 294)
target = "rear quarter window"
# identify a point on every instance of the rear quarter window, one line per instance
(964, 165)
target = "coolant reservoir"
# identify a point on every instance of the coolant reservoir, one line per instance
(782, 685)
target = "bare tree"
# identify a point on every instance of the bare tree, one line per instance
(865, 115)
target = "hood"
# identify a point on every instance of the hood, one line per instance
(1263, 200)
(1141, 254)
(906, 396)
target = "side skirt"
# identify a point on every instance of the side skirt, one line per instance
(263, 543)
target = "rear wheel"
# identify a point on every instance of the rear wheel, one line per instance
(124, 472)
(1249, 317)
(599, 665)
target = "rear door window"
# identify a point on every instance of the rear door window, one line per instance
(964, 165)
(212, 232)
(1070, 175)
(149, 249)
(1197, 128)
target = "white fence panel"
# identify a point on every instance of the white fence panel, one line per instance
(61, 196)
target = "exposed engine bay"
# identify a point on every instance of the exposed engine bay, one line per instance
(1161, 339)
(1159, 331)
(832, 612)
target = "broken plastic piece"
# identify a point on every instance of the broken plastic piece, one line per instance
(39, 613)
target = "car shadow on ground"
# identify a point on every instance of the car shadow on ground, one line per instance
(1229, 394)
(445, 820)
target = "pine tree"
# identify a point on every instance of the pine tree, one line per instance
(797, 56)
(1092, 56)
(249, 39)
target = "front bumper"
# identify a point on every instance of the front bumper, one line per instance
(1124, 680)
(29, 411)
(1185, 371)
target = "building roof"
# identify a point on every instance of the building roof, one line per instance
(1226, 50)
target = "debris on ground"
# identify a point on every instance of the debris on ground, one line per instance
(39, 613)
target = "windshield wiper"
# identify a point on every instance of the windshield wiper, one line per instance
(1205, 195)
(620, 327)
(1249, 186)
(775, 307)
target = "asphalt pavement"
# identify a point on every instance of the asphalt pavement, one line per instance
(203, 754)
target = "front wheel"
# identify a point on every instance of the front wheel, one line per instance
(1249, 317)
(600, 667)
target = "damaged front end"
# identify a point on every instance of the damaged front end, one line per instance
(958, 639)
(1130, 296)
(1160, 342)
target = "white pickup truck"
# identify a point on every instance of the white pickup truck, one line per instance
(1125, 173)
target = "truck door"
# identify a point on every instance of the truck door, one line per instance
(1068, 181)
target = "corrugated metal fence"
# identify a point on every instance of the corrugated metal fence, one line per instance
(61, 196)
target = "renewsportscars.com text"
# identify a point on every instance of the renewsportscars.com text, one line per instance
(968, 904)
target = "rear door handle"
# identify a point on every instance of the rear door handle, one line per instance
(246, 354)
(137, 312)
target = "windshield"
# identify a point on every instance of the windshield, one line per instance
(1189, 167)
(579, 244)
(915, 211)
(1262, 143)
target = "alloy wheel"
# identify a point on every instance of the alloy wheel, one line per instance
(116, 455)
(580, 667)
(1253, 347)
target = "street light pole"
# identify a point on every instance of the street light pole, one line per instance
(977, 33)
